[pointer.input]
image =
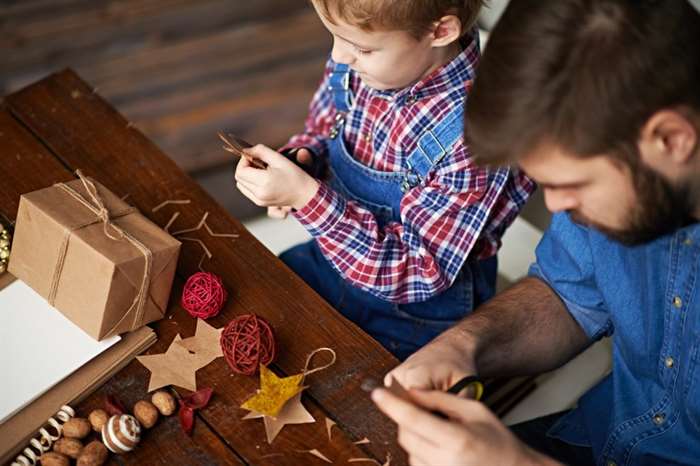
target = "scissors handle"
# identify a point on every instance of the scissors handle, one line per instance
(466, 382)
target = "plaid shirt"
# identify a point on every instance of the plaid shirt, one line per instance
(443, 220)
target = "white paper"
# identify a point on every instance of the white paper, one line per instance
(39, 347)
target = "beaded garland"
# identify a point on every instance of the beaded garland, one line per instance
(248, 341)
(203, 295)
(5, 241)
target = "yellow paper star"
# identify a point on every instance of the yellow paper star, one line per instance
(274, 392)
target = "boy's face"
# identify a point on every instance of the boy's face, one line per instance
(383, 59)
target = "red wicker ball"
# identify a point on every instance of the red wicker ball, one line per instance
(203, 295)
(248, 341)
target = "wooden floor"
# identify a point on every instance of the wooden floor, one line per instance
(180, 70)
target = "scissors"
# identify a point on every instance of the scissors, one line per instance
(237, 146)
(470, 381)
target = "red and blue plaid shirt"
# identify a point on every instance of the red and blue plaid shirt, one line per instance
(441, 220)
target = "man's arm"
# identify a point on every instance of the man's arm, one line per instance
(524, 330)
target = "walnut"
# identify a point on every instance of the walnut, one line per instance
(146, 413)
(51, 458)
(94, 454)
(70, 447)
(164, 401)
(97, 419)
(76, 427)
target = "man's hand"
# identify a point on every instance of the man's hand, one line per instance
(303, 156)
(438, 365)
(472, 435)
(282, 183)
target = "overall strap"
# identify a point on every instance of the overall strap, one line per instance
(339, 85)
(433, 146)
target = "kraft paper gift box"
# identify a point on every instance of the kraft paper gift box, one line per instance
(93, 257)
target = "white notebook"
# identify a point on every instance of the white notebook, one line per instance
(39, 347)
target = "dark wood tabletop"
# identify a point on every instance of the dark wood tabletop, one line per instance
(58, 125)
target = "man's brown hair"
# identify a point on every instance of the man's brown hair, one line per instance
(413, 16)
(583, 74)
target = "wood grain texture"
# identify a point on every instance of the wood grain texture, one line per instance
(82, 131)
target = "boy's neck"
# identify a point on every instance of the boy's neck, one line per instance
(443, 56)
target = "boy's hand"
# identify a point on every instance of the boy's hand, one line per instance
(471, 436)
(303, 156)
(282, 183)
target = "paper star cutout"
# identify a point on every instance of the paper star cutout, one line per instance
(205, 343)
(293, 412)
(174, 367)
(274, 392)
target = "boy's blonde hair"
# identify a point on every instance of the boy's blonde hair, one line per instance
(413, 16)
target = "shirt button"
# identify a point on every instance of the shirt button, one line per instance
(659, 418)
(611, 463)
(368, 137)
(677, 301)
(688, 241)
(669, 362)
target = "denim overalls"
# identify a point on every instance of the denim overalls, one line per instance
(401, 328)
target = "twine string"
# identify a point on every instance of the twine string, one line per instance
(306, 372)
(98, 208)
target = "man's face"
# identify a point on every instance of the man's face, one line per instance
(384, 60)
(632, 205)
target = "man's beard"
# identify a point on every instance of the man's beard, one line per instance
(661, 208)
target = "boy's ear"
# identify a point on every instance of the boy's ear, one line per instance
(445, 31)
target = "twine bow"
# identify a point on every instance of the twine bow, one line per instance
(97, 206)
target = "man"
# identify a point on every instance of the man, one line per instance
(604, 112)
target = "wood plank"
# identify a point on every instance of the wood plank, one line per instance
(85, 132)
(30, 166)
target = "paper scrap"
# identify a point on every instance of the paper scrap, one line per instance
(329, 425)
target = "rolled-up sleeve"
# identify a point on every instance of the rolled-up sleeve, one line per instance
(565, 263)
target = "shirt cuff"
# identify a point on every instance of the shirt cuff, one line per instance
(323, 212)
(594, 322)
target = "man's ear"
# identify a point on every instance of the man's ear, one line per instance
(445, 31)
(668, 141)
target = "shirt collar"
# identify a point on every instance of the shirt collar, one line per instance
(449, 76)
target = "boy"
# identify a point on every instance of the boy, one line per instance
(406, 227)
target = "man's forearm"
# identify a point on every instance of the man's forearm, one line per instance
(524, 330)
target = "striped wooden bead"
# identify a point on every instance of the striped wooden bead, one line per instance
(121, 433)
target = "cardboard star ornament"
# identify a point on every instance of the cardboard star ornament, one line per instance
(205, 343)
(278, 401)
(177, 366)
(293, 412)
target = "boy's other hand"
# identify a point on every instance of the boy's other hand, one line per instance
(304, 157)
(282, 183)
(279, 213)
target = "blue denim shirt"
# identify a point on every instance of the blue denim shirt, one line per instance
(647, 411)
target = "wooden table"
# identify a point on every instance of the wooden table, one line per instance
(58, 125)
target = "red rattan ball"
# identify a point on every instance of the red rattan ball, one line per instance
(248, 341)
(204, 295)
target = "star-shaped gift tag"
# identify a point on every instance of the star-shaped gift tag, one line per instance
(205, 343)
(176, 366)
(274, 392)
(278, 401)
